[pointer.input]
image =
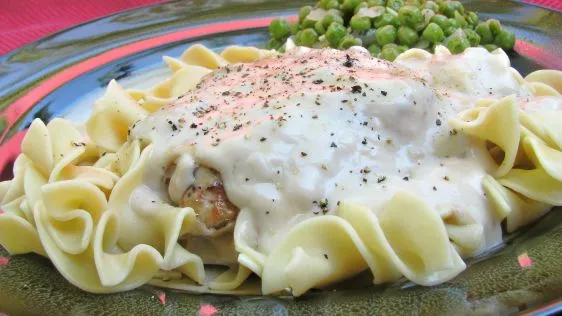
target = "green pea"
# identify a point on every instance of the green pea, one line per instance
(390, 45)
(451, 26)
(448, 8)
(360, 23)
(440, 20)
(303, 12)
(349, 41)
(427, 15)
(308, 23)
(334, 4)
(393, 12)
(386, 35)
(423, 44)
(410, 16)
(329, 4)
(360, 6)
(431, 6)
(394, 4)
(307, 37)
(369, 37)
(433, 33)
(322, 43)
(386, 19)
(460, 18)
(472, 37)
(335, 33)
(282, 48)
(330, 18)
(389, 53)
(273, 44)
(490, 47)
(402, 48)
(458, 6)
(349, 5)
(457, 44)
(319, 27)
(358, 42)
(407, 36)
(337, 12)
(453, 22)
(495, 26)
(413, 2)
(376, 11)
(374, 49)
(505, 39)
(486, 36)
(472, 18)
(373, 3)
(279, 29)
(295, 28)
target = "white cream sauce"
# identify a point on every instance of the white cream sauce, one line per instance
(293, 135)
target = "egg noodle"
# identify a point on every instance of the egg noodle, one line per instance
(79, 199)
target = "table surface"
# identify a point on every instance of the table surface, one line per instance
(24, 21)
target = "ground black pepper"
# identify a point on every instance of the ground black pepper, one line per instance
(349, 62)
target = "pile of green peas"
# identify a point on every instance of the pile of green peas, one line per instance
(387, 28)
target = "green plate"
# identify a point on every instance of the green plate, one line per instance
(60, 74)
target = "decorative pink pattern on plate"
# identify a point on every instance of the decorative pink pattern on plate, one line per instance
(207, 310)
(4, 262)
(24, 21)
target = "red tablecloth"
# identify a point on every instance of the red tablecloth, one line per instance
(23, 21)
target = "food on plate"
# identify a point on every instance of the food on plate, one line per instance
(303, 169)
(388, 28)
